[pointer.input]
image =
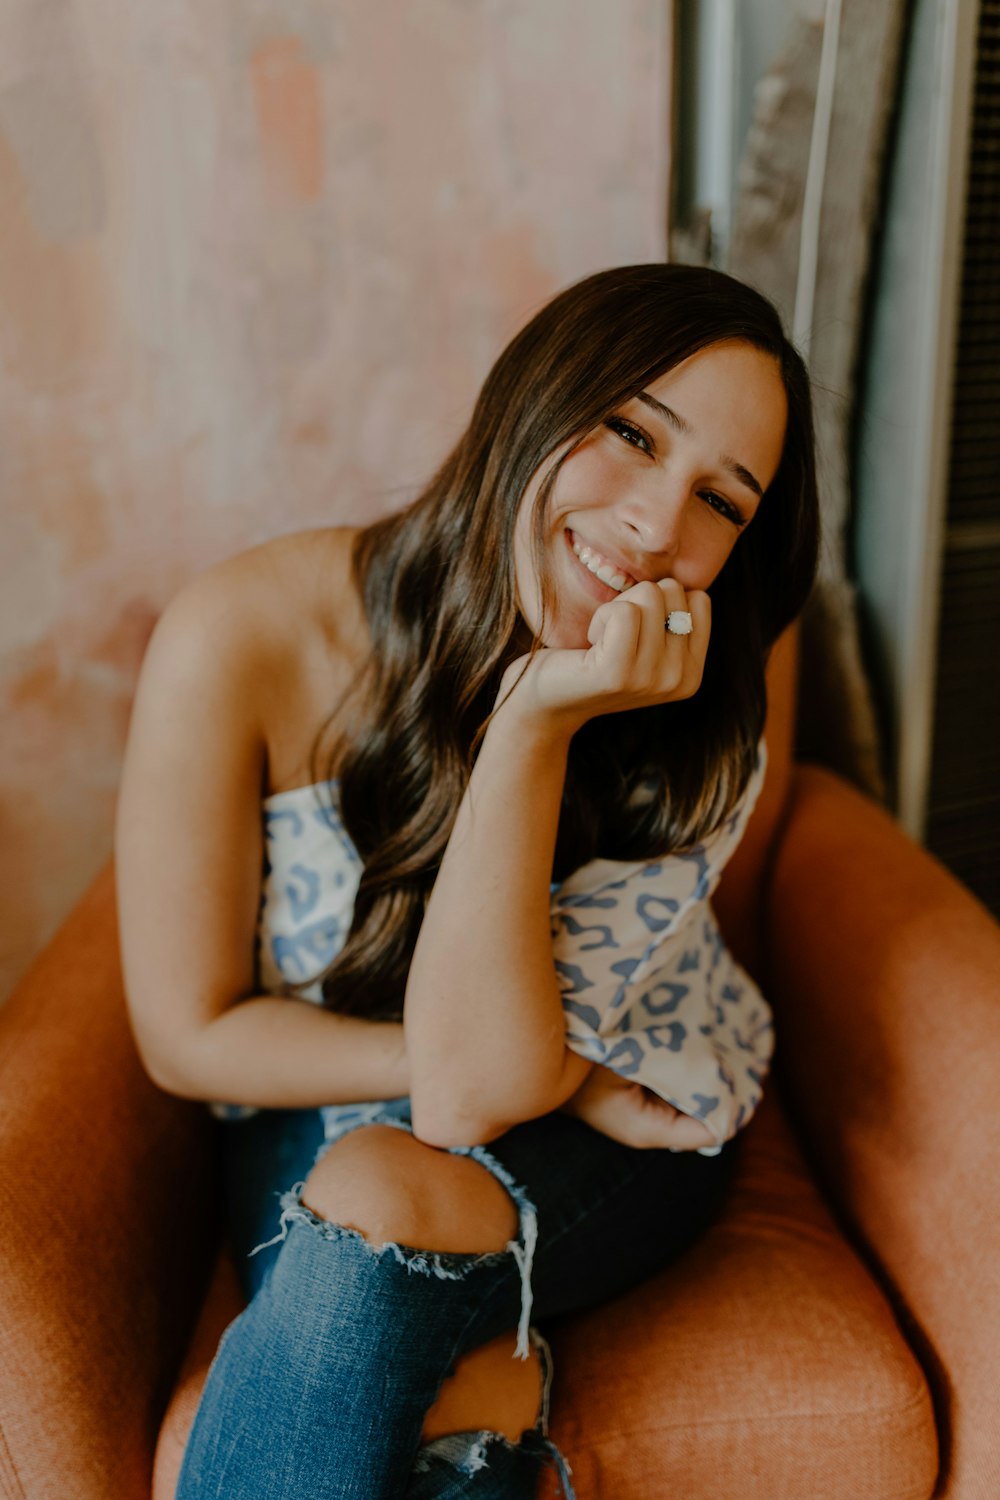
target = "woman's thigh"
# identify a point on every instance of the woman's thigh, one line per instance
(263, 1156)
(607, 1215)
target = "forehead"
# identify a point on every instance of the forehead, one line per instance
(726, 368)
(730, 395)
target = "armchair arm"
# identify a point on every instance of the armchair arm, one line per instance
(884, 977)
(108, 1225)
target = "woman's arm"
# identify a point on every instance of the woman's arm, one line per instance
(188, 847)
(279, 1053)
(485, 1032)
(483, 1016)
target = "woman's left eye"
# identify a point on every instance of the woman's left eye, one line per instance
(631, 434)
(723, 506)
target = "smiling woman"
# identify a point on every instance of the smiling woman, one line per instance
(638, 504)
(530, 708)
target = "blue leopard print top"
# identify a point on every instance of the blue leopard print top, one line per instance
(649, 987)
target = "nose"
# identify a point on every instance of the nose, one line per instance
(656, 520)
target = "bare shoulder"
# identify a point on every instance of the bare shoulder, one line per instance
(297, 589)
(282, 630)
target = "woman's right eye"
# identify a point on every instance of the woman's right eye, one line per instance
(630, 433)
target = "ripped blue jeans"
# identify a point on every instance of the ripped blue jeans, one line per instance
(321, 1386)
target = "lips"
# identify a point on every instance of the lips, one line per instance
(616, 563)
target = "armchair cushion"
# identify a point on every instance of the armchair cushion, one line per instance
(885, 981)
(107, 1193)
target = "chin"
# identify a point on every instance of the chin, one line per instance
(560, 636)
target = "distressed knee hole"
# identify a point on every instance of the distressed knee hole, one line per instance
(490, 1389)
(389, 1186)
(492, 1444)
(332, 1218)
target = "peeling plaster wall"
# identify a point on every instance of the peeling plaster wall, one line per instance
(255, 259)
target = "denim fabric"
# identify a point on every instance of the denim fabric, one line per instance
(320, 1387)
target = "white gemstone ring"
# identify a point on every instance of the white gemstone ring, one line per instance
(679, 622)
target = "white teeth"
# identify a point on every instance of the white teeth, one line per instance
(602, 570)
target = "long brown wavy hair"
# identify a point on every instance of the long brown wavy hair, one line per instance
(437, 584)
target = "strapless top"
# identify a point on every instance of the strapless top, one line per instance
(649, 987)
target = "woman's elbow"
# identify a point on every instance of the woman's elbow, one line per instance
(443, 1122)
(447, 1128)
(169, 1067)
(168, 1077)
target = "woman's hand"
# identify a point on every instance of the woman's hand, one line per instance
(633, 660)
(633, 1114)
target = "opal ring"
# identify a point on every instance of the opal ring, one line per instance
(679, 622)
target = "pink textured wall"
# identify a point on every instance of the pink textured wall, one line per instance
(255, 258)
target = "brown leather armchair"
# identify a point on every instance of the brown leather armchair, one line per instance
(836, 1333)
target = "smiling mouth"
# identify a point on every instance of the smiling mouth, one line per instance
(592, 560)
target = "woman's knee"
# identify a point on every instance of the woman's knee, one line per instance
(386, 1184)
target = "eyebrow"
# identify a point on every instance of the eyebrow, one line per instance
(677, 422)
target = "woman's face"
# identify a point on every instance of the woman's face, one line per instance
(662, 489)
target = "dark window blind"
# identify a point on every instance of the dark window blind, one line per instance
(963, 819)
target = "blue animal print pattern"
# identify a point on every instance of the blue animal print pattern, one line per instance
(649, 987)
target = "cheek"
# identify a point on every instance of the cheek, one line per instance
(706, 551)
(588, 479)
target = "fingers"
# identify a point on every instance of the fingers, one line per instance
(621, 636)
(700, 609)
(637, 654)
(632, 1113)
(689, 1133)
(669, 1126)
